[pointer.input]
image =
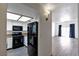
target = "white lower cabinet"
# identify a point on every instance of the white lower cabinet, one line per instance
(25, 40)
(10, 40)
(9, 43)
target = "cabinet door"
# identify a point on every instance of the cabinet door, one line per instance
(25, 40)
(9, 43)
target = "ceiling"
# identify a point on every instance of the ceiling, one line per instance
(40, 5)
(43, 8)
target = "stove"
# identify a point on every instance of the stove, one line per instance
(18, 38)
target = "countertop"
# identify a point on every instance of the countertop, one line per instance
(9, 33)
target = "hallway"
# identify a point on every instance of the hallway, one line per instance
(63, 46)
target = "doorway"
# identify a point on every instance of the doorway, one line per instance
(59, 32)
(72, 30)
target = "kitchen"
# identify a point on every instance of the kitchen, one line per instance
(18, 20)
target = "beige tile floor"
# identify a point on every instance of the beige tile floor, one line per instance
(64, 46)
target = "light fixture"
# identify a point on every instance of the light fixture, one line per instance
(48, 8)
(24, 19)
(12, 16)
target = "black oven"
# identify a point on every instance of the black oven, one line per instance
(18, 38)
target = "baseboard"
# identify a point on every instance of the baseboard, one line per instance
(16, 48)
(25, 46)
(51, 55)
(9, 48)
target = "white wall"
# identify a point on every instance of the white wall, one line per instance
(45, 36)
(11, 23)
(3, 9)
(53, 29)
(66, 9)
(78, 28)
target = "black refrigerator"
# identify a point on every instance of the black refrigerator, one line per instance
(32, 39)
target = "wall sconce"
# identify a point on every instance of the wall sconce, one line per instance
(46, 19)
(48, 8)
(47, 15)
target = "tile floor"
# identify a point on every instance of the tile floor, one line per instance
(62, 46)
(22, 51)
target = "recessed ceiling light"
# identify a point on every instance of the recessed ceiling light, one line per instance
(12, 16)
(24, 19)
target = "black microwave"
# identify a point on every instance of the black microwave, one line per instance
(17, 28)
